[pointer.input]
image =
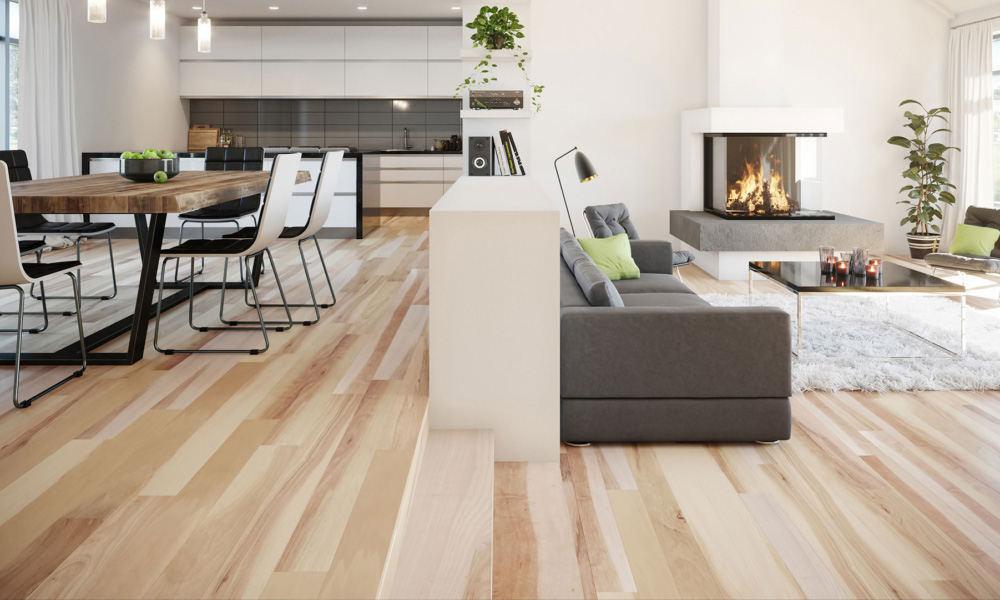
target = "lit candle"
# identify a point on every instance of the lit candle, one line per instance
(876, 265)
(871, 270)
(842, 267)
(830, 265)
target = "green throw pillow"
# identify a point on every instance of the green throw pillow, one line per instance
(970, 239)
(612, 255)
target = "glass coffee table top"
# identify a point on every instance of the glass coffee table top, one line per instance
(805, 277)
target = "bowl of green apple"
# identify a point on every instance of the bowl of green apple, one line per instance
(149, 166)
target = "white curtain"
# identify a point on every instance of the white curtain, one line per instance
(970, 98)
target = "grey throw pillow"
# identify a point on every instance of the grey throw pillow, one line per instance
(591, 279)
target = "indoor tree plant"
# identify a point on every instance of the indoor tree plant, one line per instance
(497, 29)
(925, 169)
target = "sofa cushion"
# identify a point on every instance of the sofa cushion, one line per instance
(570, 293)
(595, 284)
(610, 219)
(974, 240)
(652, 283)
(612, 255)
(964, 262)
(663, 300)
(981, 216)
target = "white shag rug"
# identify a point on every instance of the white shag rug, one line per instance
(856, 326)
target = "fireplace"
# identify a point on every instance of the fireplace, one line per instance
(764, 176)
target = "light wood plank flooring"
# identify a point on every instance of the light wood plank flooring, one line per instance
(276, 476)
(891, 496)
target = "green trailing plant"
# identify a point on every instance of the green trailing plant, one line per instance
(494, 29)
(926, 163)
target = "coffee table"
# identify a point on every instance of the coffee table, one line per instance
(805, 279)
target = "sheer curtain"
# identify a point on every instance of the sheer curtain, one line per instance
(970, 98)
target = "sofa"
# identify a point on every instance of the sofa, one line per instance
(968, 263)
(648, 360)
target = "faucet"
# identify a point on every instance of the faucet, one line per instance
(406, 141)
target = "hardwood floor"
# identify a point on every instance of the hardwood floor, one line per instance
(284, 475)
(280, 475)
(875, 496)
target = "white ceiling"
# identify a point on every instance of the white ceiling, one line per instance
(959, 6)
(319, 9)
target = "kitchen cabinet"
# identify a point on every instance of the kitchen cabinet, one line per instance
(228, 43)
(445, 42)
(230, 79)
(385, 43)
(410, 180)
(302, 79)
(443, 78)
(385, 79)
(302, 43)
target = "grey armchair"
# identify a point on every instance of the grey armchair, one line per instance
(987, 267)
(607, 220)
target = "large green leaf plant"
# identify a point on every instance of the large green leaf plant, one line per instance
(926, 164)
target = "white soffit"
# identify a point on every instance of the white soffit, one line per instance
(764, 120)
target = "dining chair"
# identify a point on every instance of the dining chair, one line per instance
(14, 274)
(37, 224)
(272, 222)
(319, 211)
(224, 159)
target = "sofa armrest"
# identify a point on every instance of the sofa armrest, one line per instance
(653, 256)
(684, 352)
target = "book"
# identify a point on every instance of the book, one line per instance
(517, 156)
(508, 152)
(498, 165)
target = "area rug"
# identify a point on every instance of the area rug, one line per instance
(856, 326)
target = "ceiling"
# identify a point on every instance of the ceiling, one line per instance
(319, 9)
(959, 6)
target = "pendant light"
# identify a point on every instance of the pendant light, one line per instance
(204, 30)
(157, 19)
(97, 11)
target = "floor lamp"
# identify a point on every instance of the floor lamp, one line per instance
(584, 170)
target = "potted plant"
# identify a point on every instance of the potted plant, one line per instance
(497, 29)
(925, 169)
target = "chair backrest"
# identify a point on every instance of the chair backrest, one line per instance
(236, 159)
(11, 272)
(608, 220)
(984, 217)
(17, 166)
(322, 203)
(277, 198)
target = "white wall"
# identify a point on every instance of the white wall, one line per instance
(127, 94)
(618, 79)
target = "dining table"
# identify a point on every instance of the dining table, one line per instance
(149, 203)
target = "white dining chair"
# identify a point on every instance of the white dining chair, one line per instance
(14, 274)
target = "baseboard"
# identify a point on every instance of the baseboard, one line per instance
(170, 233)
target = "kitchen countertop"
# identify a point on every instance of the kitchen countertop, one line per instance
(89, 155)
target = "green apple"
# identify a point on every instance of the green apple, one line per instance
(160, 177)
(136, 155)
(150, 154)
(126, 155)
(164, 153)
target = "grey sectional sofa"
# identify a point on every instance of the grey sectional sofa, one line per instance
(659, 364)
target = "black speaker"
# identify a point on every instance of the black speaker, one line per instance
(480, 155)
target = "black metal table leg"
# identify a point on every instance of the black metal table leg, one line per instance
(150, 249)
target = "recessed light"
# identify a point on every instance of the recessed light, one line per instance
(195, 8)
(362, 8)
(272, 8)
(456, 8)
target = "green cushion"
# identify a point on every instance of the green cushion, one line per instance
(612, 255)
(969, 239)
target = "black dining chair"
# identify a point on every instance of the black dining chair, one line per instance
(37, 224)
(224, 159)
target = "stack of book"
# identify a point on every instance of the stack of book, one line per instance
(508, 161)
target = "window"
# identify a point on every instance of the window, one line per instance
(9, 38)
(996, 121)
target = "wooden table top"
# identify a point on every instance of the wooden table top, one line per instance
(113, 194)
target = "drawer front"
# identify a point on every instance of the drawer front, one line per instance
(454, 161)
(412, 175)
(413, 161)
(410, 195)
(451, 175)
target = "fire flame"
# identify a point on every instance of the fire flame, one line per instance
(755, 194)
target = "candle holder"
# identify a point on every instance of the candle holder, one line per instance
(859, 261)
(843, 268)
(827, 259)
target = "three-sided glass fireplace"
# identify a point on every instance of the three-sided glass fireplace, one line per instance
(764, 176)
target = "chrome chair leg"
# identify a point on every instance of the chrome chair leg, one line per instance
(19, 345)
(312, 293)
(79, 275)
(281, 325)
(44, 312)
(159, 311)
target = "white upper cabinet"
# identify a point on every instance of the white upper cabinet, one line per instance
(302, 43)
(386, 79)
(385, 43)
(297, 79)
(443, 78)
(228, 43)
(444, 43)
(206, 79)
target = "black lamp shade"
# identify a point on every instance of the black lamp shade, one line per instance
(584, 169)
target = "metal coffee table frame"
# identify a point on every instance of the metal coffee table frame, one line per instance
(951, 354)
